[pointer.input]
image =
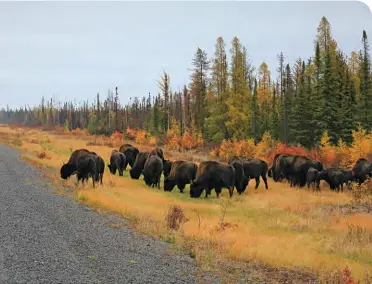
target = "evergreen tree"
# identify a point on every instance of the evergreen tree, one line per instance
(198, 86)
(365, 104)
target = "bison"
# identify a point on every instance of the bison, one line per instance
(167, 165)
(254, 169)
(117, 162)
(312, 178)
(241, 181)
(362, 170)
(213, 175)
(182, 173)
(301, 165)
(334, 177)
(152, 171)
(87, 167)
(70, 168)
(283, 167)
(100, 167)
(348, 177)
(137, 169)
(130, 153)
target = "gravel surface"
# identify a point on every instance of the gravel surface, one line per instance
(50, 238)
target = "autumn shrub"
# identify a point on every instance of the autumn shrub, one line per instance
(175, 217)
(141, 137)
(362, 144)
(362, 193)
(130, 133)
(41, 155)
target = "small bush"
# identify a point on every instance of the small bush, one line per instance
(41, 155)
(175, 217)
(362, 193)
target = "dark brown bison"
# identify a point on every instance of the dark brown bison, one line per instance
(70, 168)
(87, 167)
(312, 178)
(301, 165)
(117, 162)
(362, 170)
(213, 175)
(167, 165)
(130, 153)
(241, 181)
(152, 171)
(283, 167)
(137, 169)
(334, 177)
(100, 167)
(254, 169)
(182, 173)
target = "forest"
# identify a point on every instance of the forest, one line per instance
(229, 99)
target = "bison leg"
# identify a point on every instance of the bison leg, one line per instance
(231, 191)
(257, 182)
(181, 187)
(265, 181)
(218, 191)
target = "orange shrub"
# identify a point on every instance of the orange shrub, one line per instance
(141, 137)
(131, 133)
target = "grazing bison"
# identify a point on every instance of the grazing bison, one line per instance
(100, 167)
(137, 169)
(87, 167)
(167, 165)
(334, 177)
(182, 173)
(130, 153)
(254, 169)
(211, 174)
(283, 167)
(117, 162)
(301, 165)
(70, 168)
(312, 178)
(241, 181)
(362, 170)
(152, 171)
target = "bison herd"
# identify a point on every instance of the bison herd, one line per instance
(298, 170)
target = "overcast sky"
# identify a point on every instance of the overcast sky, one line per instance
(72, 50)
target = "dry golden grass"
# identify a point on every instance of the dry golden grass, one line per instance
(283, 227)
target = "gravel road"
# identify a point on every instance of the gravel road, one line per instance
(50, 238)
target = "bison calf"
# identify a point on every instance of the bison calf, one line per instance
(312, 178)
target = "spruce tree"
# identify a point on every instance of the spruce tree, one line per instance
(365, 105)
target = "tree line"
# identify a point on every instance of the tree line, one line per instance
(228, 98)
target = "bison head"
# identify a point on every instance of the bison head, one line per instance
(167, 167)
(112, 169)
(135, 172)
(195, 190)
(169, 184)
(67, 170)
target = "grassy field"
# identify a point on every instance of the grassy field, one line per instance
(283, 228)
